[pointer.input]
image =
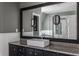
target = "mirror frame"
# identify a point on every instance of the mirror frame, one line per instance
(52, 39)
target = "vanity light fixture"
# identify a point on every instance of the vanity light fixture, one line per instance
(56, 19)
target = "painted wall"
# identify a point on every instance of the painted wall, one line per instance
(1, 17)
(9, 21)
(9, 17)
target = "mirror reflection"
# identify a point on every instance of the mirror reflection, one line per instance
(54, 21)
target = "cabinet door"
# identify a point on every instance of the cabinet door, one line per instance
(21, 51)
(38, 52)
(12, 50)
(29, 52)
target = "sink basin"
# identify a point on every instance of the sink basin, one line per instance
(38, 42)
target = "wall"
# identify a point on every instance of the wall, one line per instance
(1, 17)
(11, 17)
(5, 38)
(9, 21)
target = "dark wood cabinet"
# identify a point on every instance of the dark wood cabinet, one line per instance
(15, 50)
(29, 52)
(21, 51)
(38, 52)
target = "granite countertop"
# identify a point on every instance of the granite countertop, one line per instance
(54, 48)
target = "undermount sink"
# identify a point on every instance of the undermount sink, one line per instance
(38, 42)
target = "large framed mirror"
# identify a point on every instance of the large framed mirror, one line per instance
(52, 20)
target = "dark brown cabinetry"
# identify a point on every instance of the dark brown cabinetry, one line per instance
(29, 52)
(15, 50)
(21, 51)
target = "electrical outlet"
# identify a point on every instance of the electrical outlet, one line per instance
(16, 30)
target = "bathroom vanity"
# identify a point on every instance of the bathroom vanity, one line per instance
(55, 21)
(17, 49)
